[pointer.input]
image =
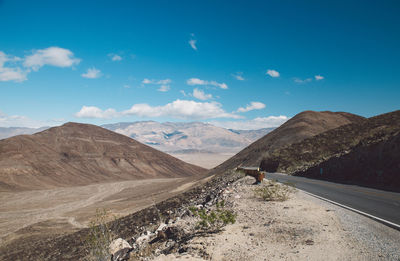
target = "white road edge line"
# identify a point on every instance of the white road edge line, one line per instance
(381, 220)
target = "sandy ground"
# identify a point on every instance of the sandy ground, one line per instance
(205, 160)
(66, 209)
(301, 228)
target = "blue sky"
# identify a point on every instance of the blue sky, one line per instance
(240, 64)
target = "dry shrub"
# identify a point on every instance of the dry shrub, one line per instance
(274, 191)
(99, 236)
(214, 219)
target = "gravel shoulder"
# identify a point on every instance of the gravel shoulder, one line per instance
(301, 228)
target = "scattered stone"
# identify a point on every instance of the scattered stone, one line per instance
(117, 245)
(309, 242)
(121, 255)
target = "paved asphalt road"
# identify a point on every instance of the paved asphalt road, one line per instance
(382, 204)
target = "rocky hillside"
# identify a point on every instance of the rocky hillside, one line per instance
(304, 125)
(364, 153)
(80, 154)
(188, 137)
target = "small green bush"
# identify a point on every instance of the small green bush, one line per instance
(214, 219)
(99, 236)
(274, 191)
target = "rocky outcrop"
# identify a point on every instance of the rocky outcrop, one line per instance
(370, 164)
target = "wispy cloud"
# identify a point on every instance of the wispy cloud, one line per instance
(92, 73)
(273, 73)
(164, 88)
(252, 106)
(192, 42)
(179, 109)
(199, 94)
(23, 121)
(307, 80)
(95, 112)
(13, 73)
(54, 56)
(164, 85)
(238, 76)
(254, 124)
(197, 81)
(114, 57)
(16, 69)
(298, 80)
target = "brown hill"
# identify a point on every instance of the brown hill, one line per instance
(304, 125)
(364, 153)
(80, 154)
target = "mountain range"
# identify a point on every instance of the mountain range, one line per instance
(188, 137)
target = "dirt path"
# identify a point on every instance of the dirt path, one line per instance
(301, 228)
(72, 207)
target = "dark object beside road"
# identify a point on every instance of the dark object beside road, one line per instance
(254, 172)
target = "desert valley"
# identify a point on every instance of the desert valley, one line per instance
(199, 130)
(53, 181)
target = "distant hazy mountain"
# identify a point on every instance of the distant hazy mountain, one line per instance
(14, 131)
(188, 137)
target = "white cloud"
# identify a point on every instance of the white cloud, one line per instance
(273, 73)
(164, 84)
(95, 112)
(11, 73)
(147, 81)
(164, 88)
(179, 109)
(165, 81)
(297, 80)
(183, 93)
(54, 56)
(197, 81)
(92, 73)
(254, 124)
(159, 82)
(115, 57)
(192, 43)
(238, 76)
(319, 77)
(199, 94)
(252, 106)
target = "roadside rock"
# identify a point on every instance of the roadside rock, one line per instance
(122, 254)
(118, 244)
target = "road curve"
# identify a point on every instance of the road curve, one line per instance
(379, 203)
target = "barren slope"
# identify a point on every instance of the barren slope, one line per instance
(304, 125)
(81, 154)
(365, 153)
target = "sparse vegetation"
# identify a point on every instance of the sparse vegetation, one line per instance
(214, 219)
(274, 191)
(99, 236)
